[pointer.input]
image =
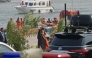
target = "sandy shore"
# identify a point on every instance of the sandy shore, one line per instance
(32, 40)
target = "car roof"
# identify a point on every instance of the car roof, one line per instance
(81, 34)
(8, 46)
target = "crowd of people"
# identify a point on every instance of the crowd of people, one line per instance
(49, 22)
(42, 39)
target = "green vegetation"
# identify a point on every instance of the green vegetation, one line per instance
(31, 20)
(60, 25)
(16, 38)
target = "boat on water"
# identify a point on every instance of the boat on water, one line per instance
(35, 6)
(69, 13)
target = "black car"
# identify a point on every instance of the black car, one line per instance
(73, 42)
(76, 38)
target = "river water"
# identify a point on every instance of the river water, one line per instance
(7, 9)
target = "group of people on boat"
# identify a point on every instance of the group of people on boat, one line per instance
(49, 22)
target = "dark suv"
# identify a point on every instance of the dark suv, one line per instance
(79, 43)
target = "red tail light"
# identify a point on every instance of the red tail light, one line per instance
(55, 55)
(48, 49)
(81, 51)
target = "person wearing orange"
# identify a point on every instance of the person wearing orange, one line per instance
(22, 22)
(41, 41)
(44, 36)
(72, 14)
(18, 23)
(43, 21)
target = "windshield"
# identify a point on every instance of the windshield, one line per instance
(4, 48)
(67, 40)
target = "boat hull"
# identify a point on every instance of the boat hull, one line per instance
(25, 9)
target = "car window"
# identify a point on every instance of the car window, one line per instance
(67, 40)
(4, 48)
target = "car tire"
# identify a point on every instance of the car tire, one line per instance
(88, 54)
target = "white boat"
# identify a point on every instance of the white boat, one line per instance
(35, 6)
